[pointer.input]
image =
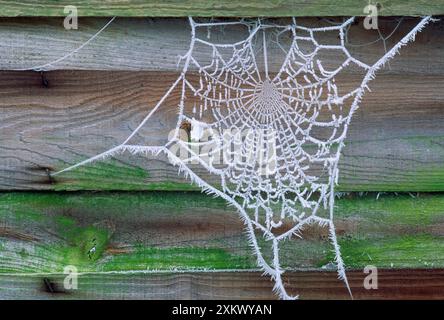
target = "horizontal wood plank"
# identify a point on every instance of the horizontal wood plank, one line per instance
(155, 44)
(189, 246)
(52, 121)
(394, 143)
(393, 284)
(248, 8)
(44, 232)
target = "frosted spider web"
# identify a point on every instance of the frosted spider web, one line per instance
(300, 109)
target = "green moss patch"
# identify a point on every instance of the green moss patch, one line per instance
(177, 258)
(419, 251)
(48, 231)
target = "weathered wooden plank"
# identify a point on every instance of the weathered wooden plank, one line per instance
(248, 8)
(142, 44)
(393, 284)
(187, 246)
(394, 143)
(44, 232)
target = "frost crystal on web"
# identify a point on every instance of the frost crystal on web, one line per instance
(284, 131)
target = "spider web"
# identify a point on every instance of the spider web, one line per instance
(279, 136)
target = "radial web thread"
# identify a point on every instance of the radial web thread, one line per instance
(301, 109)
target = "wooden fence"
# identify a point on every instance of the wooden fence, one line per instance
(155, 235)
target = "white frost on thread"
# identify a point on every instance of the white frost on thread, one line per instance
(197, 130)
(234, 93)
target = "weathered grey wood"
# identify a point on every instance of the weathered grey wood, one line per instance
(204, 8)
(394, 143)
(144, 44)
(393, 284)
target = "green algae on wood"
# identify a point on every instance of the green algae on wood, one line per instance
(112, 175)
(430, 179)
(44, 232)
(205, 8)
(187, 258)
(415, 209)
(397, 251)
(386, 149)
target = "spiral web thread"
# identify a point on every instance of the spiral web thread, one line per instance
(232, 95)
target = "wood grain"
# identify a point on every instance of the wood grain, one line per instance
(164, 232)
(393, 284)
(44, 232)
(155, 44)
(55, 119)
(394, 143)
(203, 8)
